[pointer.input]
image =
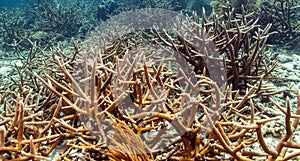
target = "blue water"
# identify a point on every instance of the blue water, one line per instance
(10, 3)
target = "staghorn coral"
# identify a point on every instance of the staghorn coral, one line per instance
(281, 14)
(46, 23)
(205, 44)
(13, 30)
(60, 17)
(123, 85)
(284, 18)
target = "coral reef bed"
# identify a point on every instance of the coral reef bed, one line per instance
(150, 84)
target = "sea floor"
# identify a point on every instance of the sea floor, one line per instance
(287, 81)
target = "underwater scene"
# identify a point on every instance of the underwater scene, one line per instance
(156, 80)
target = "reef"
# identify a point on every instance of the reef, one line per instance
(282, 14)
(145, 85)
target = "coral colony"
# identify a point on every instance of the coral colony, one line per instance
(147, 84)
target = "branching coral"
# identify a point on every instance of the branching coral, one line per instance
(281, 14)
(206, 43)
(13, 31)
(150, 94)
(284, 18)
(46, 23)
(51, 16)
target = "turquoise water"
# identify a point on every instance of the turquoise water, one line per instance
(10, 3)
